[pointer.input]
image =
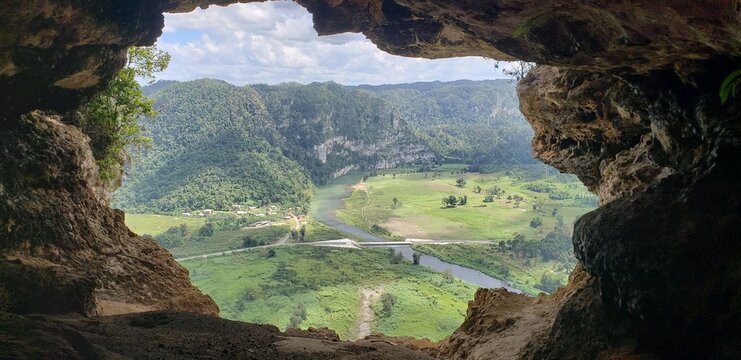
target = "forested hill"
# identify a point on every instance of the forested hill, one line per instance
(216, 144)
(331, 130)
(474, 122)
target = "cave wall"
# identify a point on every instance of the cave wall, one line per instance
(625, 96)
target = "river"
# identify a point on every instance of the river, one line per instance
(329, 198)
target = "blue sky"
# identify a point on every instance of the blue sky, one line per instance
(275, 42)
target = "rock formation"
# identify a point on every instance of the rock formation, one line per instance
(625, 97)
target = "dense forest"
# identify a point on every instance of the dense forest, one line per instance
(216, 144)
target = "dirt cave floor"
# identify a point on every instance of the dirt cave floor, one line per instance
(167, 335)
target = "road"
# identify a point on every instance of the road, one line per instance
(338, 243)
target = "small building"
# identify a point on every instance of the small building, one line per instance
(240, 212)
(236, 207)
(272, 213)
(208, 211)
(187, 214)
(253, 207)
(260, 215)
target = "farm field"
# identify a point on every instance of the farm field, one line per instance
(419, 213)
(182, 236)
(321, 287)
(532, 275)
(155, 224)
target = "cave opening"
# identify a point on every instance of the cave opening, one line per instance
(227, 63)
(644, 115)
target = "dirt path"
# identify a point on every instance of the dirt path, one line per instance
(368, 297)
(284, 238)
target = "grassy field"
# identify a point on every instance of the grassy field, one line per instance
(223, 238)
(153, 224)
(322, 287)
(419, 212)
(524, 274)
(316, 231)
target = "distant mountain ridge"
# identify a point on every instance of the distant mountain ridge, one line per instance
(216, 144)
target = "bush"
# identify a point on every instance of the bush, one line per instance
(206, 230)
(549, 282)
(388, 301)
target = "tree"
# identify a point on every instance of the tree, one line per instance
(248, 242)
(388, 301)
(488, 198)
(302, 233)
(206, 230)
(460, 182)
(554, 212)
(477, 189)
(294, 235)
(396, 202)
(415, 258)
(517, 70)
(271, 253)
(536, 222)
(450, 201)
(111, 118)
(184, 230)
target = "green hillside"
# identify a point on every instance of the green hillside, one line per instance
(216, 144)
(472, 122)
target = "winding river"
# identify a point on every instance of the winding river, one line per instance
(329, 198)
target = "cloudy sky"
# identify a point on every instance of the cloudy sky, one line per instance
(275, 42)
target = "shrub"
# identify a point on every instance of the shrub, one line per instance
(388, 301)
(206, 230)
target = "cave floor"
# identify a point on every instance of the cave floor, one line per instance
(169, 335)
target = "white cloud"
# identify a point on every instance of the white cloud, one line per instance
(275, 42)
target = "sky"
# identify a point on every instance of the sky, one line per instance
(275, 42)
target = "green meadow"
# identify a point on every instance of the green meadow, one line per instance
(226, 235)
(155, 224)
(419, 212)
(321, 287)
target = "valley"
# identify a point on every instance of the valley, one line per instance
(345, 289)
(248, 186)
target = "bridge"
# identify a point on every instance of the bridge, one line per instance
(349, 243)
(339, 243)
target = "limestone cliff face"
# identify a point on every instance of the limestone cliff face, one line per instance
(625, 98)
(395, 149)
